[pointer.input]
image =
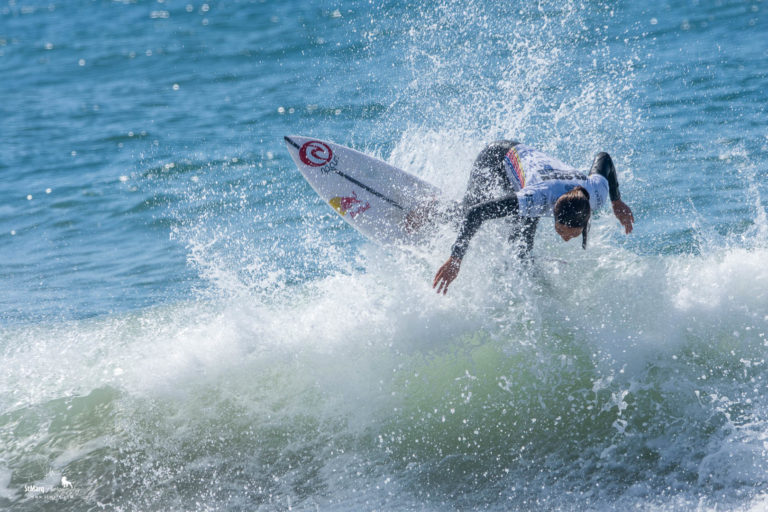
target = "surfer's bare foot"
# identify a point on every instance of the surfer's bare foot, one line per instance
(417, 218)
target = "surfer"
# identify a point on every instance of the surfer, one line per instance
(510, 179)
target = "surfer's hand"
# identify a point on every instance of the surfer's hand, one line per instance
(446, 274)
(624, 214)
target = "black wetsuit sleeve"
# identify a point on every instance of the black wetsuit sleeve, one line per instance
(603, 165)
(475, 217)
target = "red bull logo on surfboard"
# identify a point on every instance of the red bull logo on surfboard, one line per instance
(349, 204)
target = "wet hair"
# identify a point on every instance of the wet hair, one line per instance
(572, 208)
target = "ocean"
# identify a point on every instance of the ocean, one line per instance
(184, 325)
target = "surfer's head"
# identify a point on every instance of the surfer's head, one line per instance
(572, 213)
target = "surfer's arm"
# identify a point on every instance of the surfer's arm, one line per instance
(475, 217)
(603, 165)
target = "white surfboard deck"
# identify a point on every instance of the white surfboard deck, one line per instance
(371, 195)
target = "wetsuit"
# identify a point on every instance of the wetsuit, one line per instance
(512, 179)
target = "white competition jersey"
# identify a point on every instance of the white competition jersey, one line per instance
(540, 180)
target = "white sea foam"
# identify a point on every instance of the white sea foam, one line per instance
(375, 351)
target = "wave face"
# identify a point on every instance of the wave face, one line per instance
(185, 326)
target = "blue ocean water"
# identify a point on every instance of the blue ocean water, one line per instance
(184, 325)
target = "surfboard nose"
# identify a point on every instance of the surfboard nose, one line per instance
(290, 141)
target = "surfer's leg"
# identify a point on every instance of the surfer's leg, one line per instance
(488, 179)
(523, 233)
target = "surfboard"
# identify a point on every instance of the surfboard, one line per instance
(372, 196)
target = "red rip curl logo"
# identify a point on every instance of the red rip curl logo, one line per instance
(315, 153)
